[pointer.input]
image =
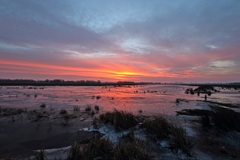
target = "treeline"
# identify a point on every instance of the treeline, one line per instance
(234, 85)
(59, 82)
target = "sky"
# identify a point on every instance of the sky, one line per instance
(120, 40)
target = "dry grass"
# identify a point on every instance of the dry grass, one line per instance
(98, 147)
(179, 140)
(119, 119)
(160, 128)
(103, 149)
(131, 148)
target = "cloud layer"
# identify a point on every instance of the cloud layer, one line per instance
(190, 41)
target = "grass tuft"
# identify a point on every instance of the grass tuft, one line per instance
(96, 108)
(76, 108)
(158, 127)
(103, 149)
(43, 105)
(119, 119)
(133, 150)
(88, 108)
(40, 155)
(97, 148)
(63, 111)
(179, 140)
(75, 152)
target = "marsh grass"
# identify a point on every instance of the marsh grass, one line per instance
(130, 150)
(10, 111)
(88, 108)
(43, 105)
(97, 148)
(179, 140)
(40, 155)
(63, 111)
(160, 128)
(76, 108)
(96, 108)
(119, 119)
(100, 148)
(75, 152)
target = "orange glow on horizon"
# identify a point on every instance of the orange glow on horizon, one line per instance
(50, 69)
(107, 71)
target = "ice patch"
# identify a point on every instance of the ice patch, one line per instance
(108, 132)
(55, 153)
(190, 132)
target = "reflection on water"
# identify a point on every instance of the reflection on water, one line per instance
(151, 99)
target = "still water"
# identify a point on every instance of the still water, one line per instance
(150, 99)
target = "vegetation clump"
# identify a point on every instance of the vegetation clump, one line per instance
(119, 119)
(88, 108)
(179, 140)
(98, 97)
(97, 148)
(10, 111)
(40, 155)
(160, 128)
(76, 108)
(130, 150)
(100, 148)
(43, 105)
(96, 108)
(63, 111)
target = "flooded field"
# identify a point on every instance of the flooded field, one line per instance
(55, 117)
(150, 99)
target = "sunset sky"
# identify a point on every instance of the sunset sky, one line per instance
(112, 40)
